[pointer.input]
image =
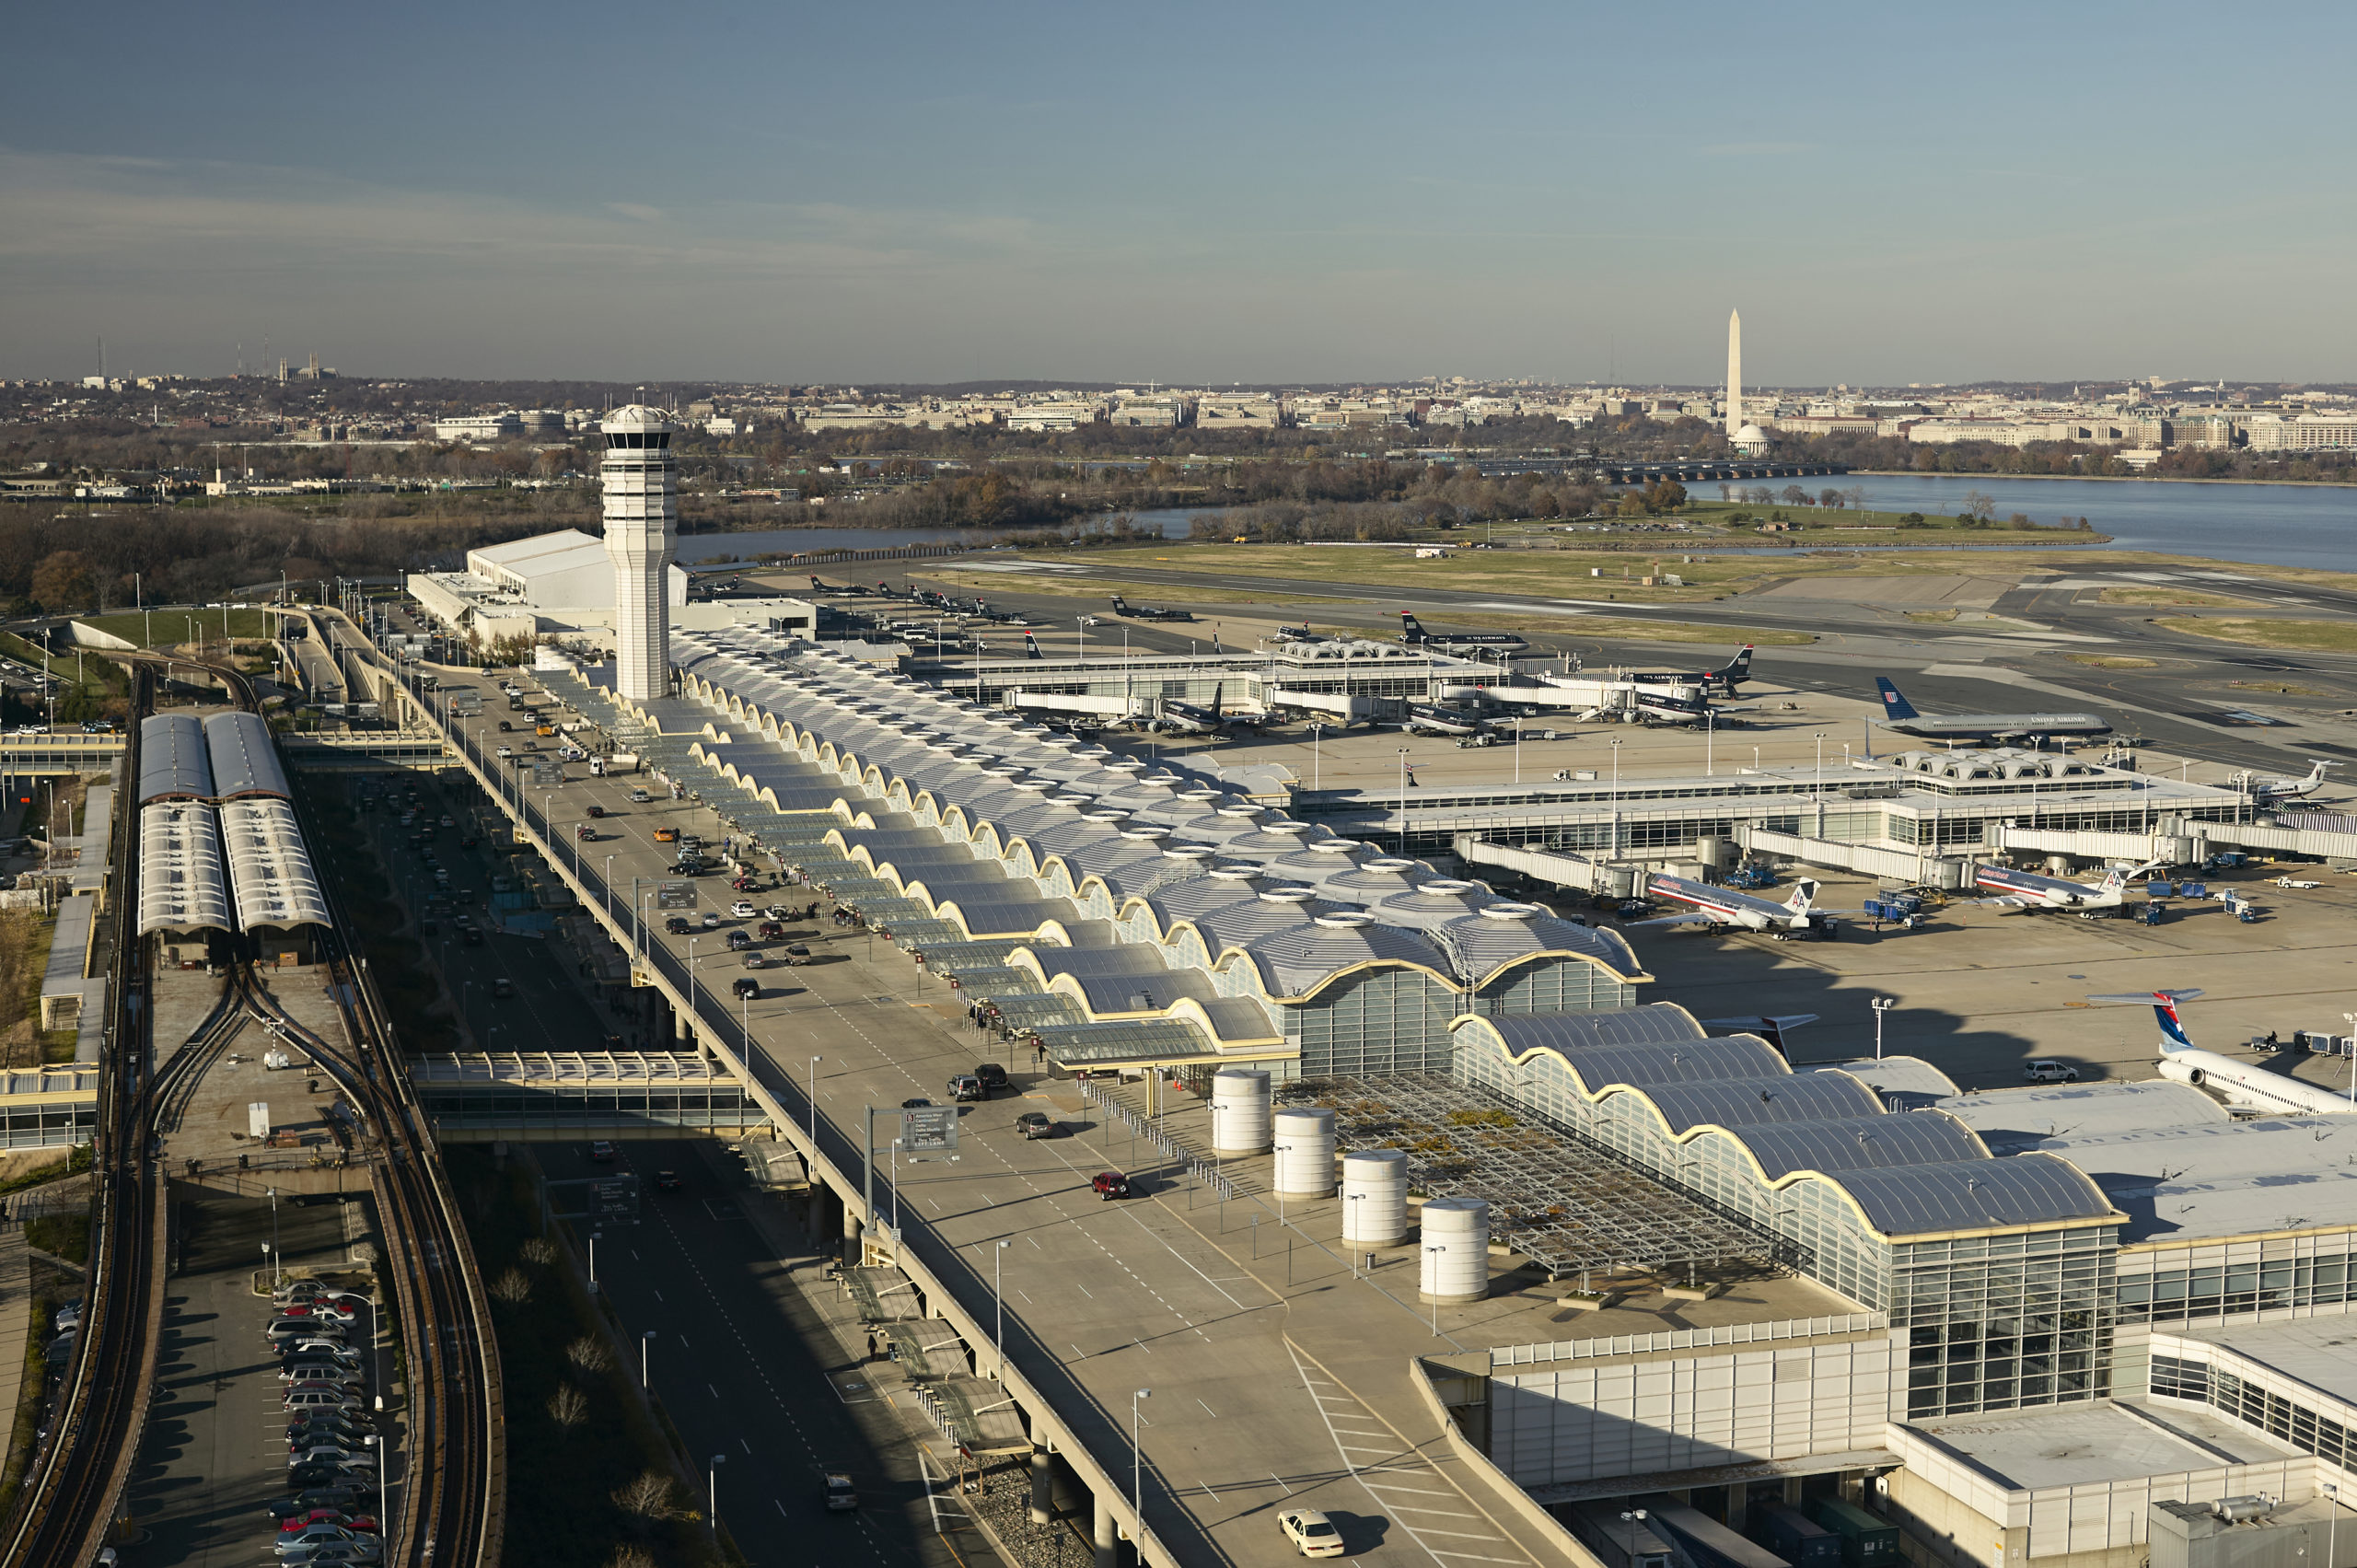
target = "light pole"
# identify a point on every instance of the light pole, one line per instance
(717, 1460)
(274, 1237)
(1434, 1253)
(998, 1307)
(609, 887)
(1616, 814)
(896, 1193)
(2331, 1522)
(814, 1105)
(1403, 799)
(1819, 790)
(1710, 741)
(384, 1463)
(1881, 1004)
(1316, 756)
(644, 1340)
(593, 1261)
(1137, 1469)
(271, 1253)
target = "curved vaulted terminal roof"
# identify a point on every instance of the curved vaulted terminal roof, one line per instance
(270, 876)
(1011, 829)
(174, 762)
(182, 886)
(245, 761)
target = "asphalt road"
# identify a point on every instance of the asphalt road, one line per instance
(754, 1360)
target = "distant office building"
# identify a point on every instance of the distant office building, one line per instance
(503, 426)
(2309, 431)
(1235, 412)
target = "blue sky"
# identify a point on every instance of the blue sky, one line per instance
(1199, 193)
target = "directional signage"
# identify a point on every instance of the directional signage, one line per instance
(929, 1130)
(614, 1198)
(680, 895)
(548, 775)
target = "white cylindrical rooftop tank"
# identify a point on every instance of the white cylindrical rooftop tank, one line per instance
(1374, 1197)
(1239, 1112)
(1304, 1147)
(1456, 1245)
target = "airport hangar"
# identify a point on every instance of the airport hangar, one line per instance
(2078, 1308)
(562, 585)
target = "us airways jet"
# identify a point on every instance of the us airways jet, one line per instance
(1722, 907)
(1898, 715)
(2028, 890)
(1413, 633)
(2244, 1085)
(1724, 677)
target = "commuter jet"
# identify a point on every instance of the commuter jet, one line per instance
(848, 588)
(1899, 714)
(1439, 718)
(2028, 890)
(1718, 908)
(2244, 1085)
(1187, 718)
(1725, 678)
(1031, 647)
(1147, 612)
(2267, 792)
(1412, 632)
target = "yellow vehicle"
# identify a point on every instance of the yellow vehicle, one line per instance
(545, 729)
(667, 835)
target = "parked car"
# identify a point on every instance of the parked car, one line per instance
(1033, 1125)
(1110, 1184)
(992, 1075)
(964, 1086)
(319, 1497)
(1311, 1532)
(311, 1397)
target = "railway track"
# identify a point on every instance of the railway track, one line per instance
(453, 1500)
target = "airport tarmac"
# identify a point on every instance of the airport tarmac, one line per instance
(2023, 635)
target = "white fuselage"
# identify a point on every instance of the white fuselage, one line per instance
(2243, 1083)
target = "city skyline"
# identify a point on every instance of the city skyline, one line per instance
(937, 197)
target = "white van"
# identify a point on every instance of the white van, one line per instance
(2050, 1073)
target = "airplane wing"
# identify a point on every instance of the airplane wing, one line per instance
(2008, 905)
(2148, 997)
(1692, 917)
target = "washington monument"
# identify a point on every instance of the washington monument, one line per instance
(1734, 373)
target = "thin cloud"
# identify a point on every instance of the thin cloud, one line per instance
(1759, 149)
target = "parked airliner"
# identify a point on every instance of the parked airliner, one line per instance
(2244, 1085)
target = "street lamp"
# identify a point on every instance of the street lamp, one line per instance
(1616, 800)
(644, 1340)
(1137, 1469)
(1403, 799)
(2331, 1522)
(1881, 1004)
(1434, 1253)
(384, 1463)
(593, 1261)
(814, 1105)
(998, 1305)
(896, 1195)
(717, 1460)
(273, 1237)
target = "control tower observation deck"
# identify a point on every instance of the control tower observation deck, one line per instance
(642, 532)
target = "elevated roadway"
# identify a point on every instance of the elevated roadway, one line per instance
(1280, 1373)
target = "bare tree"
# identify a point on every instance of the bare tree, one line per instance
(568, 1407)
(512, 1287)
(1980, 505)
(630, 1554)
(589, 1353)
(651, 1497)
(539, 1250)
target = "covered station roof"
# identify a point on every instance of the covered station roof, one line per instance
(271, 876)
(174, 762)
(182, 885)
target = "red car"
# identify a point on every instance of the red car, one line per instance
(1110, 1184)
(328, 1517)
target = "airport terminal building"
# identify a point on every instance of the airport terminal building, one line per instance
(2061, 1323)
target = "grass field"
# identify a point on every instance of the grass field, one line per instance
(172, 627)
(2306, 637)
(2191, 599)
(1099, 589)
(2113, 661)
(1620, 629)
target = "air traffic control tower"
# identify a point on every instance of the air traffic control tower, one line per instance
(642, 531)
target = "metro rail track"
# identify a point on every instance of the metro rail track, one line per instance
(453, 1498)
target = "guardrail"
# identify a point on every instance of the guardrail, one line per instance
(1688, 1339)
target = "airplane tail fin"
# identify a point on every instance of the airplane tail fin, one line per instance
(1894, 704)
(2114, 878)
(1031, 647)
(816, 585)
(1217, 692)
(1803, 895)
(1119, 605)
(2164, 1005)
(1739, 667)
(1410, 629)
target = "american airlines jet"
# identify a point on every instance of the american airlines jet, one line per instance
(1721, 908)
(2028, 890)
(2244, 1085)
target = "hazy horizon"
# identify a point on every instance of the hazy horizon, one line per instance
(1206, 195)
